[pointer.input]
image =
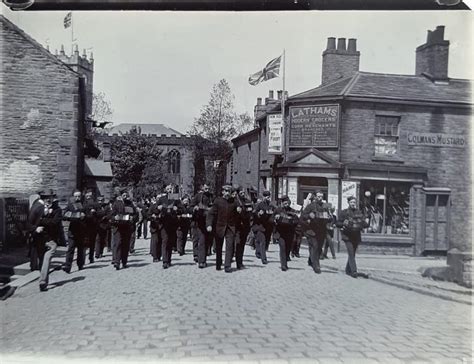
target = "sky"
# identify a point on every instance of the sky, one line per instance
(159, 67)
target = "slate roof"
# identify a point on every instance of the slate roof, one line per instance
(395, 87)
(147, 129)
(98, 168)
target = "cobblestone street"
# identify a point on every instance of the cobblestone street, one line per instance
(257, 314)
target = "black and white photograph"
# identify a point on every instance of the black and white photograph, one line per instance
(242, 185)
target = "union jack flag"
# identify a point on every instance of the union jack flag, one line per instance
(271, 70)
(67, 20)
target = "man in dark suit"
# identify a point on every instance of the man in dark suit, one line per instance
(351, 221)
(103, 216)
(124, 216)
(168, 219)
(185, 214)
(155, 230)
(316, 215)
(285, 220)
(34, 232)
(262, 225)
(243, 226)
(224, 214)
(91, 208)
(201, 204)
(75, 214)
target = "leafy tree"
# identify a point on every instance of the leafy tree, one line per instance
(218, 123)
(101, 111)
(137, 163)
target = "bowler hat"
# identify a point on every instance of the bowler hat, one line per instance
(350, 198)
(47, 193)
(266, 193)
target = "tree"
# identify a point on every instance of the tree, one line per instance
(218, 123)
(137, 163)
(101, 109)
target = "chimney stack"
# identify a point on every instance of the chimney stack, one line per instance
(432, 57)
(279, 93)
(270, 94)
(339, 62)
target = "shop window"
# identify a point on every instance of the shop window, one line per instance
(387, 206)
(174, 161)
(386, 135)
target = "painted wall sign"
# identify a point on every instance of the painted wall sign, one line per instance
(314, 126)
(437, 140)
(275, 134)
(349, 188)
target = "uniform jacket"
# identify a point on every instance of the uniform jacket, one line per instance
(224, 215)
(76, 225)
(168, 216)
(120, 208)
(316, 225)
(262, 223)
(51, 221)
(92, 219)
(287, 222)
(34, 216)
(203, 202)
(357, 222)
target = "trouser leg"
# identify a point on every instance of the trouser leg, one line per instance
(116, 246)
(203, 242)
(51, 247)
(145, 228)
(240, 241)
(351, 266)
(155, 245)
(229, 248)
(91, 243)
(126, 238)
(282, 242)
(218, 244)
(261, 245)
(139, 230)
(132, 241)
(165, 246)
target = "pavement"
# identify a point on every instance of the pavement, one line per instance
(257, 315)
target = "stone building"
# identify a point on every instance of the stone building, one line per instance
(177, 150)
(399, 143)
(45, 136)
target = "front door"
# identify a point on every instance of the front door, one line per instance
(436, 222)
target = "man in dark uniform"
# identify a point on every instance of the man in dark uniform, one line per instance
(124, 215)
(317, 214)
(155, 229)
(351, 221)
(224, 216)
(168, 218)
(285, 220)
(201, 204)
(35, 231)
(262, 225)
(243, 226)
(103, 217)
(75, 214)
(184, 224)
(329, 243)
(91, 221)
(51, 222)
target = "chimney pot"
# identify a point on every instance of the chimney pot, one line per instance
(279, 94)
(61, 52)
(76, 50)
(259, 101)
(92, 57)
(341, 44)
(331, 43)
(84, 55)
(352, 45)
(270, 94)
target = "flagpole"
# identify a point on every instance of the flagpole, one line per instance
(283, 109)
(72, 35)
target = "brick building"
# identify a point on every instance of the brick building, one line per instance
(399, 143)
(177, 150)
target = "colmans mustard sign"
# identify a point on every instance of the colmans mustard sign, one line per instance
(437, 140)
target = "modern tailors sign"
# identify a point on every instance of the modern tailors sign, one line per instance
(314, 126)
(275, 134)
(437, 140)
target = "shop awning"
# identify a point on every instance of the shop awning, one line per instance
(386, 172)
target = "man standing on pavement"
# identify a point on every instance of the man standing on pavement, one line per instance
(124, 216)
(317, 214)
(91, 208)
(75, 214)
(285, 220)
(351, 221)
(201, 204)
(262, 225)
(224, 215)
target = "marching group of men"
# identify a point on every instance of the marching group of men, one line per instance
(232, 217)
